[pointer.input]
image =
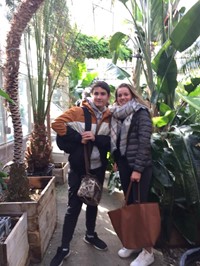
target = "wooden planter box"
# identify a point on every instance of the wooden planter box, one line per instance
(60, 172)
(14, 251)
(41, 215)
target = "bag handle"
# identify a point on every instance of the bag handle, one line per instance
(88, 146)
(88, 119)
(87, 154)
(129, 190)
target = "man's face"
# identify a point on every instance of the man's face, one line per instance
(100, 97)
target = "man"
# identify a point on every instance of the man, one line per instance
(72, 123)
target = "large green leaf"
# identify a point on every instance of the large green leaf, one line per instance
(87, 81)
(193, 101)
(183, 36)
(176, 182)
(187, 30)
(117, 72)
(186, 221)
(185, 144)
(116, 48)
(123, 1)
(116, 40)
(162, 158)
(157, 58)
(160, 121)
(165, 66)
(6, 96)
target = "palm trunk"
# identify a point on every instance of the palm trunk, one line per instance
(18, 186)
(38, 149)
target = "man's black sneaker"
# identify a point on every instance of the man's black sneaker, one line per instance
(95, 241)
(61, 254)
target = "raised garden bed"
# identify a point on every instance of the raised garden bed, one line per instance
(14, 247)
(41, 215)
(60, 172)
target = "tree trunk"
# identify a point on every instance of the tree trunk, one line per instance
(38, 149)
(19, 22)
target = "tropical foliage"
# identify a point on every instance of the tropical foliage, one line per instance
(60, 52)
(176, 182)
(49, 29)
(161, 33)
(156, 42)
(89, 47)
(93, 47)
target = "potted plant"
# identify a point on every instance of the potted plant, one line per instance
(51, 54)
(41, 213)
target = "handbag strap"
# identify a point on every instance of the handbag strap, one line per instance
(129, 190)
(88, 119)
(87, 147)
(87, 154)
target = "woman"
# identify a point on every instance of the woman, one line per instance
(131, 130)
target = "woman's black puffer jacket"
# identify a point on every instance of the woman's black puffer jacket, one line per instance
(138, 152)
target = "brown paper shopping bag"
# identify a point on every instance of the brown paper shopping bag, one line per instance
(137, 225)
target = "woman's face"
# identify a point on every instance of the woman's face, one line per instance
(123, 95)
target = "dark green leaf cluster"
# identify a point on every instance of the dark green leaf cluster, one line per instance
(176, 183)
(95, 48)
(92, 47)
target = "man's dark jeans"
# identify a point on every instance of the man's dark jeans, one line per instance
(74, 207)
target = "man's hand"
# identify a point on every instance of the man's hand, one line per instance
(87, 135)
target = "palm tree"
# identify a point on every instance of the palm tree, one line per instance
(50, 31)
(18, 186)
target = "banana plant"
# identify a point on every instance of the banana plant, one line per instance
(182, 33)
(193, 92)
(164, 64)
(186, 112)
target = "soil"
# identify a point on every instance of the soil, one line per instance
(34, 194)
